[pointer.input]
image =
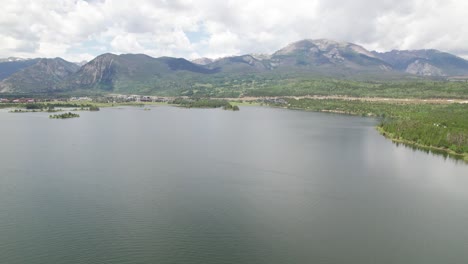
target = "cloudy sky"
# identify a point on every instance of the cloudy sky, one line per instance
(81, 29)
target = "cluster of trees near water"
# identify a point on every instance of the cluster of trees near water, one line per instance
(204, 103)
(64, 116)
(37, 106)
(49, 107)
(443, 126)
(441, 129)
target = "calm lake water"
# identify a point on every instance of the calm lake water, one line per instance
(261, 185)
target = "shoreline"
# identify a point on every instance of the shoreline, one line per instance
(449, 152)
(387, 135)
(251, 102)
(353, 98)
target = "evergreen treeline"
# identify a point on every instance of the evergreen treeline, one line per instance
(443, 126)
(64, 116)
(204, 103)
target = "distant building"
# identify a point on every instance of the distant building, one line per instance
(273, 101)
(161, 99)
(146, 99)
(80, 99)
(21, 100)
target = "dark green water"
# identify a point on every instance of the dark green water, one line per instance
(210, 186)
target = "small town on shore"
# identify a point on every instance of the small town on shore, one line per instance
(110, 98)
(120, 98)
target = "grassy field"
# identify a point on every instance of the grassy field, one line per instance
(393, 89)
(268, 85)
(278, 84)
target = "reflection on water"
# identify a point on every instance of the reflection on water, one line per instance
(260, 185)
(428, 150)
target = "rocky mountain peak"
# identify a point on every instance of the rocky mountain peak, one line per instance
(330, 48)
(425, 62)
(202, 61)
(424, 68)
(43, 75)
(98, 70)
(56, 67)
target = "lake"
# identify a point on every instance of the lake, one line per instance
(261, 185)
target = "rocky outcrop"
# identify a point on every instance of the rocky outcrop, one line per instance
(99, 70)
(425, 62)
(419, 67)
(202, 61)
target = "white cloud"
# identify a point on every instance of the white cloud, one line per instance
(78, 29)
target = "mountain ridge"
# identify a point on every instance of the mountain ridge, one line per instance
(43, 76)
(129, 73)
(436, 63)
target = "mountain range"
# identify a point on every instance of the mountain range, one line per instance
(142, 74)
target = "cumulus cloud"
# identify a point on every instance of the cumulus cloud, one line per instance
(78, 29)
